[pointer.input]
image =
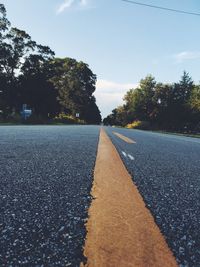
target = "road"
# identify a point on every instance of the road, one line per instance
(45, 182)
(46, 176)
(166, 169)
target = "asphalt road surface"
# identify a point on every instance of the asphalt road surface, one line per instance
(46, 174)
(166, 169)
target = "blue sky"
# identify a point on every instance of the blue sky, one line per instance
(121, 42)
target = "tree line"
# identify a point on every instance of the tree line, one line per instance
(155, 105)
(31, 74)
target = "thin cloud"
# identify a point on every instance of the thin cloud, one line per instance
(110, 94)
(186, 55)
(112, 87)
(70, 3)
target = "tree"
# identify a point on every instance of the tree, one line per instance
(29, 74)
(75, 83)
(164, 106)
(118, 117)
(185, 87)
(195, 98)
(179, 104)
(140, 101)
(4, 25)
(15, 44)
(24, 67)
(92, 114)
(4, 22)
(36, 90)
(194, 103)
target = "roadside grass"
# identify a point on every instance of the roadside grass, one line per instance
(41, 124)
(197, 135)
(179, 134)
(10, 123)
(52, 123)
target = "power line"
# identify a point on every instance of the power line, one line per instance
(163, 8)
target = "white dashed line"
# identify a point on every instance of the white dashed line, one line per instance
(124, 154)
(131, 157)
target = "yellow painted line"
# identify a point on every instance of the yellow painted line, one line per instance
(124, 138)
(121, 231)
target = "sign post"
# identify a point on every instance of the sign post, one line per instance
(25, 113)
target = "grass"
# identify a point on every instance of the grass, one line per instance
(179, 134)
(197, 135)
(31, 124)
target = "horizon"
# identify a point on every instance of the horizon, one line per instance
(121, 43)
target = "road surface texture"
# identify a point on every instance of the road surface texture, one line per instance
(121, 231)
(166, 170)
(46, 175)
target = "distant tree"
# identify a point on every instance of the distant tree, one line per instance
(29, 74)
(111, 118)
(129, 106)
(92, 114)
(194, 103)
(4, 22)
(186, 85)
(164, 105)
(140, 101)
(173, 107)
(24, 71)
(75, 83)
(195, 98)
(121, 116)
(117, 117)
(15, 44)
(36, 90)
(4, 25)
(179, 104)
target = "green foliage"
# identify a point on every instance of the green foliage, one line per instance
(142, 125)
(174, 107)
(35, 88)
(14, 118)
(195, 99)
(29, 74)
(140, 101)
(75, 84)
(4, 23)
(118, 117)
(67, 119)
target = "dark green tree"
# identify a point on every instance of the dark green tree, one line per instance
(164, 106)
(15, 45)
(92, 114)
(24, 72)
(36, 89)
(140, 101)
(194, 103)
(179, 104)
(4, 25)
(75, 83)
(29, 74)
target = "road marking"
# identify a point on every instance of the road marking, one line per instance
(121, 231)
(124, 154)
(124, 138)
(131, 157)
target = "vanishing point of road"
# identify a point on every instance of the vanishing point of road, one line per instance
(98, 196)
